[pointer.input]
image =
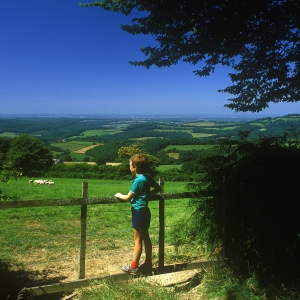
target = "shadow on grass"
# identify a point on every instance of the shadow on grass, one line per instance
(13, 280)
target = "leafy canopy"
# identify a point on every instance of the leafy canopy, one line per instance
(29, 155)
(259, 40)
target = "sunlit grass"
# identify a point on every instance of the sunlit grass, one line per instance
(8, 134)
(188, 147)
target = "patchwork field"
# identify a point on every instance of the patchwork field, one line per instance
(188, 147)
(72, 146)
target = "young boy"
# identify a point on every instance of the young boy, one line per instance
(138, 196)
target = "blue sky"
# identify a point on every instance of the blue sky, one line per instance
(59, 58)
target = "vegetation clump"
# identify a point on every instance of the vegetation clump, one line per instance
(252, 214)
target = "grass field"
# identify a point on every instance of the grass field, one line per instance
(202, 124)
(8, 134)
(168, 167)
(189, 147)
(44, 241)
(98, 132)
(41, 245)
(72, 146)
(71, 188)
(201, 135)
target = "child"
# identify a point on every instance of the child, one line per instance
(138, 197)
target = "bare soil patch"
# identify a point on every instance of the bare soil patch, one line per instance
(83, 150)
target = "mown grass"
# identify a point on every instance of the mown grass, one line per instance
(201, 135)
(188, 147)
(8, 134)
(168, 167)
(71, 188)
(202, 123)
(72, 145)
(97, 132)
(47, 238)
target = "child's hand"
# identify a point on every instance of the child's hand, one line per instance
(118, 195)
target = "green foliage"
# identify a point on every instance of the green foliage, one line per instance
(4, 147)
(221, 282)
(259, 42)
(7, 170)
(255, 198)
(83, 170)
(128, 151)
(29, 155)
(108, 151)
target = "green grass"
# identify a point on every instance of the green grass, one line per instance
(221, 283)
(77, 156)
(31, 234)
(204, 124)
(168, 167)
(71, 188)
(188, 147)
(131, 289)
(72, 146)
(98, 132)
(201, 135)
(173, 130)
(8, 134)
(44, 242)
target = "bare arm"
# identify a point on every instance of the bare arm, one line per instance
(124, 197)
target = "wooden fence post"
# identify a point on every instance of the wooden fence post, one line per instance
(161, 244)
(83, 231)
(224, 240)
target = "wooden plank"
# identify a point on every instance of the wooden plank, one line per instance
(66, 286)
(69, 286)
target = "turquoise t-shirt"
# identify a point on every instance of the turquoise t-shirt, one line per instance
(140, 188)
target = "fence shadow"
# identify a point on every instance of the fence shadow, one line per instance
(14, 279)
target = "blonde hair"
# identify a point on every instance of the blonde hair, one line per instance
(140, 162)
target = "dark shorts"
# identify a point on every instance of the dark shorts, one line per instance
(141, 219)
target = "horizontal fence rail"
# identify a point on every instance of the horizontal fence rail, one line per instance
(100, 200)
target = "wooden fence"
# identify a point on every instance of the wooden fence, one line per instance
(84, 201)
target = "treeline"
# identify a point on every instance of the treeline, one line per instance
(51, 129)
(87, 171)
(107, 172)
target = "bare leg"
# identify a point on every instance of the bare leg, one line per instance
(140, 236)
(148, 247)
(138, 246)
